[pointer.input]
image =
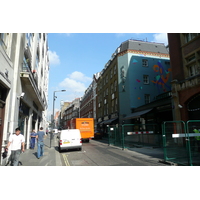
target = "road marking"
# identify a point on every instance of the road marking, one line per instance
(65, 160)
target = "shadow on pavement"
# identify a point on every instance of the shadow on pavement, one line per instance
(103, 140)
(35, 154)
(65, 151)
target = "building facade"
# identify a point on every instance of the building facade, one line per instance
(143, 73)
(63, 106)
(107, 94)
(88, 101)
(86, 104)
(72, 111)
(184, 49)
(25, 60)
(137, 74)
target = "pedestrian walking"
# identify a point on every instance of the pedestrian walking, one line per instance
(47, 131)
(40, 142)
(16, 143)
(197, 139)
(33, 136)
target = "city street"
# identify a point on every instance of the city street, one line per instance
(98, 153)
(94, 153)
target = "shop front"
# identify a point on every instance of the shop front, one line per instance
(3, 96)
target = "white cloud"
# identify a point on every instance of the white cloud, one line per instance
(79, 76)
(75, 82)
(54, 58)
(72, 85)
(160, 38)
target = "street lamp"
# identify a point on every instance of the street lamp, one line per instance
(53, 123)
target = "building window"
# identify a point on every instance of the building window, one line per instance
(106, 78)
(144, 63)
(190, 36)
(111, 88)
(29, 38)
(192, 70)
(111, 73)
(107, 109)
(115, 86)
(146, 79)
(191, 58)
(147, 98)
(115, 69)
(116, 105)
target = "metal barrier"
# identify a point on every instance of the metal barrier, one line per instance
(115, 135)
(181, 142)
(175, 147)
(193, 139)
(134, 135)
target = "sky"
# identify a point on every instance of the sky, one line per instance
(75, 57)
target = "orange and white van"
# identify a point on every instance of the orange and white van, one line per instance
(85, 125)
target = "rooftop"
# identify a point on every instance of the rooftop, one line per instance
(140, 45)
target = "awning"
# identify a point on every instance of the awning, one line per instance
(137, 114)
(109, 121)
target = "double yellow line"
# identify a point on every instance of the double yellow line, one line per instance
(65, 159)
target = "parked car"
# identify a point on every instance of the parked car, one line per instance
(70, 139)
(98, 134)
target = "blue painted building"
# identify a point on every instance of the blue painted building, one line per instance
(143, 73)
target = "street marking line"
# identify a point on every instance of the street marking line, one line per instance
(65, 160)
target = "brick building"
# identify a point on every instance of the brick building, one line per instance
(185, 63)
(72, 111)
(107, 94)
(86, 105)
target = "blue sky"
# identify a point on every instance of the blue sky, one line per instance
(75, 57)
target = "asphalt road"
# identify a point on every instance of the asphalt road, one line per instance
(98, 153)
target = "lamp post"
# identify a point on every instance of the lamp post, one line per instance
(53, 124)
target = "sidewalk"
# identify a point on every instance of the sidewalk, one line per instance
(150, 151)
(51, 155)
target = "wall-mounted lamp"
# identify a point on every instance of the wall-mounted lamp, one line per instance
(21, 96)
(180, 106)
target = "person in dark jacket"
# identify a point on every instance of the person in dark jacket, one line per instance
(33, 136)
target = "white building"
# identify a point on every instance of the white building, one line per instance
(24, 76)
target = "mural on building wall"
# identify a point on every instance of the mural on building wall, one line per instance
(161, 80)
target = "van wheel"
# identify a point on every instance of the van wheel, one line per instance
(59, 149)
(80, 149)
